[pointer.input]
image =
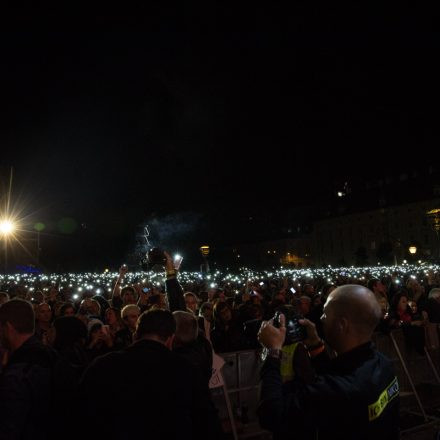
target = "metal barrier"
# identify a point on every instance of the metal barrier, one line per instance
(241, 377)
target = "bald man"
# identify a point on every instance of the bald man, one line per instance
(353, 396)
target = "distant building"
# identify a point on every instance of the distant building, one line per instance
(381, 235)
(293, 252)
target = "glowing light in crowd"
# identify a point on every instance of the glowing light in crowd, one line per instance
(232, 282)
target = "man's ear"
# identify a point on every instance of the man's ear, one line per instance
(344, 325)
(169, 342)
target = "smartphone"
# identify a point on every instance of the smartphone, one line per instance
(177, 261)
(145, 290)
(292, 290)
(295, 332)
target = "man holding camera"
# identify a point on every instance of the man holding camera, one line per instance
(353, 396)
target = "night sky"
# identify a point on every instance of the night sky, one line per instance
(207, 123)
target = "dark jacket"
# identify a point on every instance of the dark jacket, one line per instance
(25, 392)
(176, 301)
(354, 396)
(205, 417)
(143, 391)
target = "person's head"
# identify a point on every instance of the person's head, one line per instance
(103, 304)
(191, 301)
(206, 311)
(52, 294)
(128, 295)
(316, 300)
(38, 297)
(400, 301)
(434, 294)
(351, 314)
(376, 286)
(255, 311)
(4, 297)
(67, 309)
(44, 313)
(222, 312)
(69, 332)
(308, 289)
(187, 328)
(17, 323)
(130, 315)
(413, 306)
(157, 325)
(157, 301)
(326, 290)
(305, 305)
(413, 285)
(94, 328)
(90, 307)
(112, 316)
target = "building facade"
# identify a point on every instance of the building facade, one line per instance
(381, 235)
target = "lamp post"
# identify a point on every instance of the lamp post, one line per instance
(7, 228)
(205, 252)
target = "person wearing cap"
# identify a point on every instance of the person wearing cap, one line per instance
(352, 396)
(99, 340)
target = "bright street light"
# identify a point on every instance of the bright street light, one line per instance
(6, 227)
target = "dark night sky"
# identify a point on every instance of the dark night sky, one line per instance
(127, 122)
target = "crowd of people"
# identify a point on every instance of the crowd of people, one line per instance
(133, 351)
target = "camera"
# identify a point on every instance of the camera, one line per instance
(154, 260)
(295, 332)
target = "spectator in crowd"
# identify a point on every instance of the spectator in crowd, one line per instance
(52, 297)
(38, 297)
(305, 306)
(130, 314)
(206, 311)
(205, 319)
(154, 384)
(27, 379)
(326, 290)
(196, 349)
(103, 305)
(401, 314)
(380, 292)
(113, 320)
(4, 297)
(43, 322)
(123, 296)
(69, 341)
(227, 334)
(67, 309)
(309, 290)
(90, 308)
(433, 306)
(192, 302)
(354, 381)
(99, 341)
